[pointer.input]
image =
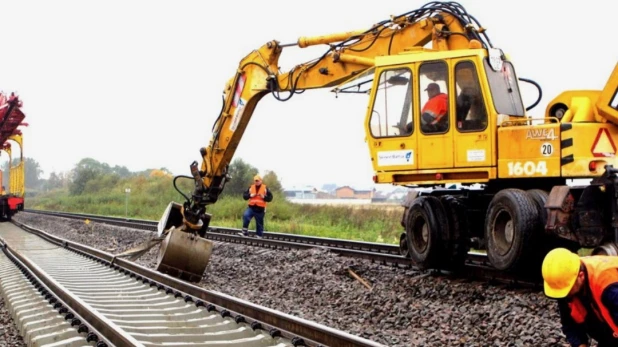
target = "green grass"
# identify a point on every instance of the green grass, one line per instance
(150, 196)
(363, 223)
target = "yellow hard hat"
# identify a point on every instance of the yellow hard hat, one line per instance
(560, 270)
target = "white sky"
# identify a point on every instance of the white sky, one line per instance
(139, 83)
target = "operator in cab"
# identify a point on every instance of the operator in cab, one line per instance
(586, 289)
(435, 109)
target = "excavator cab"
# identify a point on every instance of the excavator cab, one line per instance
(432, 115)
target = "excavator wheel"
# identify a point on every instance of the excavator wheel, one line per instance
(540, 197)
(510, 227)
(458, 238)
(546, 242)
(426, 220)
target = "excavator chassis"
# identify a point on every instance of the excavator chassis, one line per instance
(183, 254)
(515, 225)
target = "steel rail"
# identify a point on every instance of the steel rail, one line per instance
(312, 240)
(476, 264)
(311, 332)
(105, 327)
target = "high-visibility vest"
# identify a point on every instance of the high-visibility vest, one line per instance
(602, 271)
(437, 107)
(257, 200)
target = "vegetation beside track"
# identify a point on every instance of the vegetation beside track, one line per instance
(152, 191)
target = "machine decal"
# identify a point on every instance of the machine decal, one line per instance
(237, 114)
(541, 134)
(547, 149)
(239, 87)
(476, 155)
(614, 102)
(403, 157)
(528, 168)
(603, 145)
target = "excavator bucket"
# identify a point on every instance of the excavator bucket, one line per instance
(172, 217)
(183, 254)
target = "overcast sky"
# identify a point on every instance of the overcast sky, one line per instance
(139, 83)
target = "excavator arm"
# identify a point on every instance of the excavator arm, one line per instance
(446, 25)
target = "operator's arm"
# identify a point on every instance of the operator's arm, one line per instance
(246, 195)
(610, 300)
(575, 333)
(269, 196)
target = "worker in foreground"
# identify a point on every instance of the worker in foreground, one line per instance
(587, 293)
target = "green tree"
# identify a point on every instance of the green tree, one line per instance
(54, 181)
(86, 170)
(241, 174)
(101, 183)
(121, 171)
(271, 181)
(33, 173)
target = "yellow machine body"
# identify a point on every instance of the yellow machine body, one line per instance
(503, 146)
(486, 138)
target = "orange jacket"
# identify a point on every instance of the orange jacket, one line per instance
(436, 107)
(257, 200)
(602, 271)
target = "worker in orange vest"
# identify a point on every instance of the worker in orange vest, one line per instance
(587, 293)
(258, 195)
(435, 109)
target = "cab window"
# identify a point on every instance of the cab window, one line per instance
(471, 113)
(434, 98)
(391, 115)
(504, 89)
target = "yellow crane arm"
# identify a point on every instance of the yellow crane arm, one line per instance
(446, 25)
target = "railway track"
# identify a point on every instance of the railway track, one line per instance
(63, 293)
(476, 266)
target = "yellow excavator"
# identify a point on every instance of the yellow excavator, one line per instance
(445, 111)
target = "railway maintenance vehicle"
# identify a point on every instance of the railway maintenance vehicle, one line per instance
(513, 168)
(11, 118)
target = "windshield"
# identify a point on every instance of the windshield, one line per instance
(504, 89)
(392, 107)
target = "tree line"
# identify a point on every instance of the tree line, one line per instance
(91, 176)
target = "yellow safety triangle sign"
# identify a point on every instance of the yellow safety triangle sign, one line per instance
(603, 145)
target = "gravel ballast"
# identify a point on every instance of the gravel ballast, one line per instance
(402, 308)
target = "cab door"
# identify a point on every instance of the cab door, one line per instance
(390, 127)
(435, 137)
(472, 138)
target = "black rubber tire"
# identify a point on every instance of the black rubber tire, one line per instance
(425, 251)
(457, 241)
(540, 197)
(404, 250)
(511, 252)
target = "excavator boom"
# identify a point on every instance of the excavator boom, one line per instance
(447, 26)
(444, 108)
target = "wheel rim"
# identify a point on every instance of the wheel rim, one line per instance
(420, 235)
(503, 232)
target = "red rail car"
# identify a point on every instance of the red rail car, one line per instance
(11, 117)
